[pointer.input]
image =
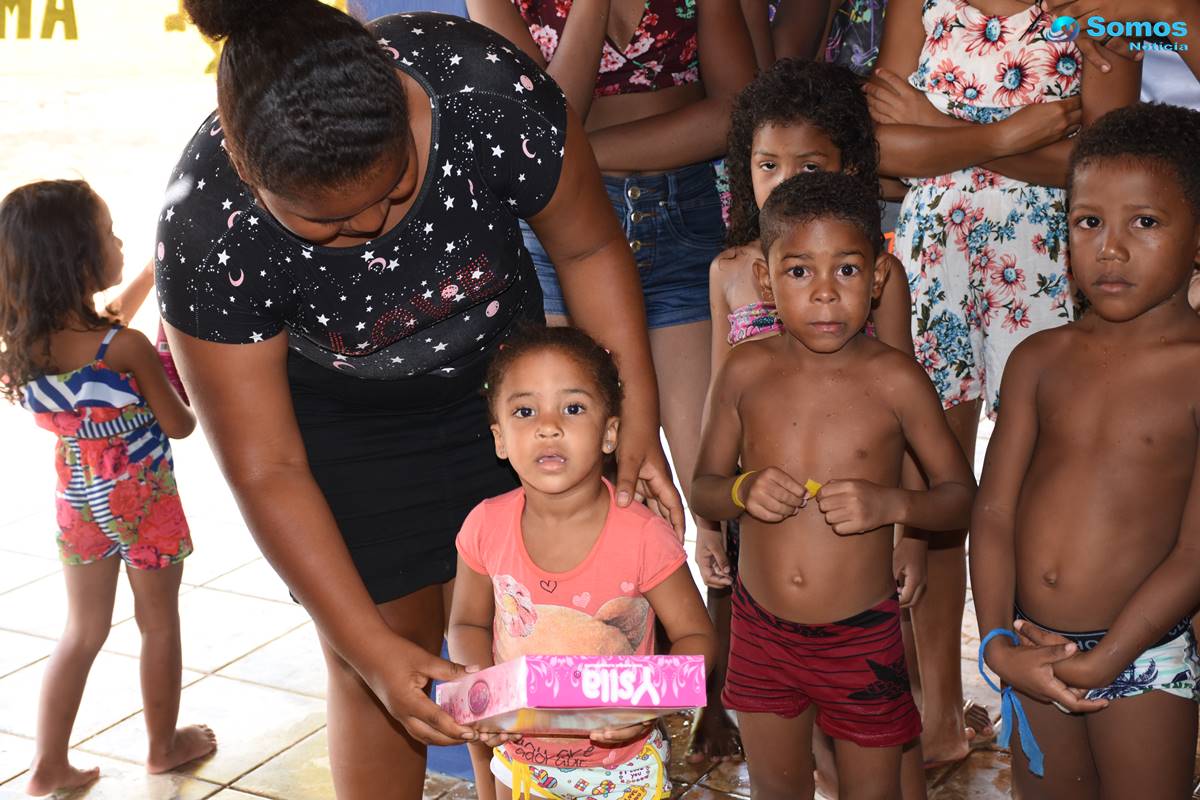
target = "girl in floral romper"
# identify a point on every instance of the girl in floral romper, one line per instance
(103, 391)
(976, 105)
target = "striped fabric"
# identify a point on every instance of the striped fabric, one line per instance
(114, 467)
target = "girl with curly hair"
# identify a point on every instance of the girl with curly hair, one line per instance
(102, 389)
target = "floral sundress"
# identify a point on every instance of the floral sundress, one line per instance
(986, 255)
(116, 491)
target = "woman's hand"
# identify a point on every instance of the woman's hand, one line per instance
(642, 472)
(399, 677)
(1040, 124)
(620, 736)
(857, 506)
(894, 101)
(771, 495)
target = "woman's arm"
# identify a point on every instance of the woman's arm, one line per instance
(576, 61)
(502, 17)
(241, 395)
(801, 28)
(758, 24)
(604, 297)
(696, 132)
(132, 352)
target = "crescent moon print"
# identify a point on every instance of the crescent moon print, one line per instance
(240, 279)
(395, 53)
(339, 364)
(232, 217)
(470, 187)
(379, 263)
(162, 251)
(215, 129)
(525, 148)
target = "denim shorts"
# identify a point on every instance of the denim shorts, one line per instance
(673, 225)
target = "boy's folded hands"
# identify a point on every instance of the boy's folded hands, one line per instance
(1032, 669)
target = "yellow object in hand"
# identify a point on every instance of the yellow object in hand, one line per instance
(812, 486)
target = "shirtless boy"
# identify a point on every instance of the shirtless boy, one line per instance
(1088, 520)
(816, 629)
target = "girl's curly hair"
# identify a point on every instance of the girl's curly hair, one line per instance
(51, 263)
(793, 91)
(530, 339)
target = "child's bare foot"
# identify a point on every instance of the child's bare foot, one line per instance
(716, 738)
(45, 780)
(190, 743)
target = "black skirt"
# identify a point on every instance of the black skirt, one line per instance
(401, 464)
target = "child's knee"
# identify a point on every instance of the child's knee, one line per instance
(84, 637)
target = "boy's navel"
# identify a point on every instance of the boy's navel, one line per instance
(1050, 579)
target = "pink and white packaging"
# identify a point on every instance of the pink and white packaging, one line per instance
(574, 694)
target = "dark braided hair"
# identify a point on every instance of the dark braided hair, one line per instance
(793, 91)
(817, 195)
(571, 342)
(51, 263)
(1164, 137)
(307, 98)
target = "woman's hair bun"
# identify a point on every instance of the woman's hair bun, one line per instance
(218, 19)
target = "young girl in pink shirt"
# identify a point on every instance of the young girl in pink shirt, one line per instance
(556, 568)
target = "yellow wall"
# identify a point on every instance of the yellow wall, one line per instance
(101, 38)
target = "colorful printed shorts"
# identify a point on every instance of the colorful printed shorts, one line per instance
(852, 670)
(109, 505)
(644, 777)
(1171, 665)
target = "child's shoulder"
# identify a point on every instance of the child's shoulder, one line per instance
(493, 513)
(734, 261)
(129, 350)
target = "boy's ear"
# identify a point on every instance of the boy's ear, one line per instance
(763, 273)
(501, 450)
(609, 443)
(883, 269)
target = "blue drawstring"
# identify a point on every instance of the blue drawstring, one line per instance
(1010, 706)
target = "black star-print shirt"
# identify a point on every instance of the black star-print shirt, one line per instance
(430, 296)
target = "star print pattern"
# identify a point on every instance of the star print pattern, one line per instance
(229, 272)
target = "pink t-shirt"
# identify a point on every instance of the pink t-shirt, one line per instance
(597, 608)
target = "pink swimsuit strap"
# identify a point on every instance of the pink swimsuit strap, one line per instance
(752, 319)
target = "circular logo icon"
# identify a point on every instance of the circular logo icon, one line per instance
(478, 697)
(1063, 29)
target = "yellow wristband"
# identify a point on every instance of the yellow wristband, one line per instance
(737, 484)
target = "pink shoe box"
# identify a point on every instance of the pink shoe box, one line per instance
(574, 694)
